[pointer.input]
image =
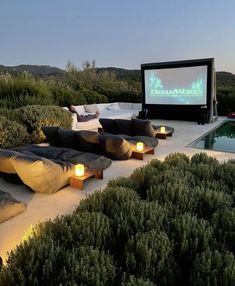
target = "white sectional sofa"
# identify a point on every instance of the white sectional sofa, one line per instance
(120, 110)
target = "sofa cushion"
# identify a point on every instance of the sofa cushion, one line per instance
(126, 105)
(68, 138)
(9, 206)
(92, 161)
(142, 128)
(115, 147)
(89, 141)
(6, 165)
(148, 141)
(52, 135)
(42, 175)
(80, 109)
(124, 126)
(91, 108)
(114, 106)
(108, 125)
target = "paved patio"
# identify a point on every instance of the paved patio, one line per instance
(41, 207)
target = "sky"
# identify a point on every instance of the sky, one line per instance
(123, 33)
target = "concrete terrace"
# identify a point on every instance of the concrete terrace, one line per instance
(41, 207)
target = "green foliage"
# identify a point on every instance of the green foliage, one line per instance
(133, 281)
(34, 117)
(226, 100)
(149, 256)
(169, 223)
(55, 265)
(92, 96)
(23, 90)
(12, 134)
(213, 268)
(63, 96)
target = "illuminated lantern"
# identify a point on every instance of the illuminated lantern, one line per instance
(163, 129)
(79, 170)
(140, 146)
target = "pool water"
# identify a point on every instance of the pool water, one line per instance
(220, 139)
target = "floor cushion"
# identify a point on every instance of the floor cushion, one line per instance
(68, 138)
(42, 175)
(108, 125)
(5, 161)
(89, 141)
(9, 206)
(124, 126)
(142, 128)
(52, 135)
(115, 147)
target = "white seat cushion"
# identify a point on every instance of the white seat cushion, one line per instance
(126, 105)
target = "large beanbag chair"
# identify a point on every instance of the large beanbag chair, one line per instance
(42, 175)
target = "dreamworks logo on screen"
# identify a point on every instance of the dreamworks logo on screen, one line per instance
(157, 89)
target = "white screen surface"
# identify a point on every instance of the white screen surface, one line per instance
(176, 86)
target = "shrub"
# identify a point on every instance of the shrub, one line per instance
(34, 117)
(87, 229)
(191, 236)
(167, 224)
(12, 134)
(148, 255)
(226, 100)
(133, 281)
(23, 90)
(64, 95)
(213, 268)
(52, 264)
(92, 96)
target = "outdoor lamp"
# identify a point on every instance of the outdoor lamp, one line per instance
(139, 146)
(79, 170)
(162, 129)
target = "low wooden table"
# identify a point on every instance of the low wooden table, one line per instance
(163, 135)
(78, 182)
(139, 155)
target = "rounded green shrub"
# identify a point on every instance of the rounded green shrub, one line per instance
(12, 134)
(52, 264)
(108, 201)
(169, 223)
(87, 229)
(34, 117)
(149, 255)
(213, 268)
(92, 96)
(133, 281)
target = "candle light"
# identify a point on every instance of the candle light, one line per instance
(79, 170)
(163, 129)
(139, 146)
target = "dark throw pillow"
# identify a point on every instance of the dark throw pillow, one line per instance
(142, 128)
(124, 126)
(52, 135)
(108, 125)
(68, 138)
(115, 147)
(89, 141)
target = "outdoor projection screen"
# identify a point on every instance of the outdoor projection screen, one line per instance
(176, 85)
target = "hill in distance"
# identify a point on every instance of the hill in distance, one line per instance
(36, 70)
(223, 78)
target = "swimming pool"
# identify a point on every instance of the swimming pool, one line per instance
(222, 138)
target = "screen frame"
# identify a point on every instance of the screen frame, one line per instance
(209, 62)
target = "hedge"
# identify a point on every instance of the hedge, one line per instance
(12, 134)
(169, 223)
(36, 116)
